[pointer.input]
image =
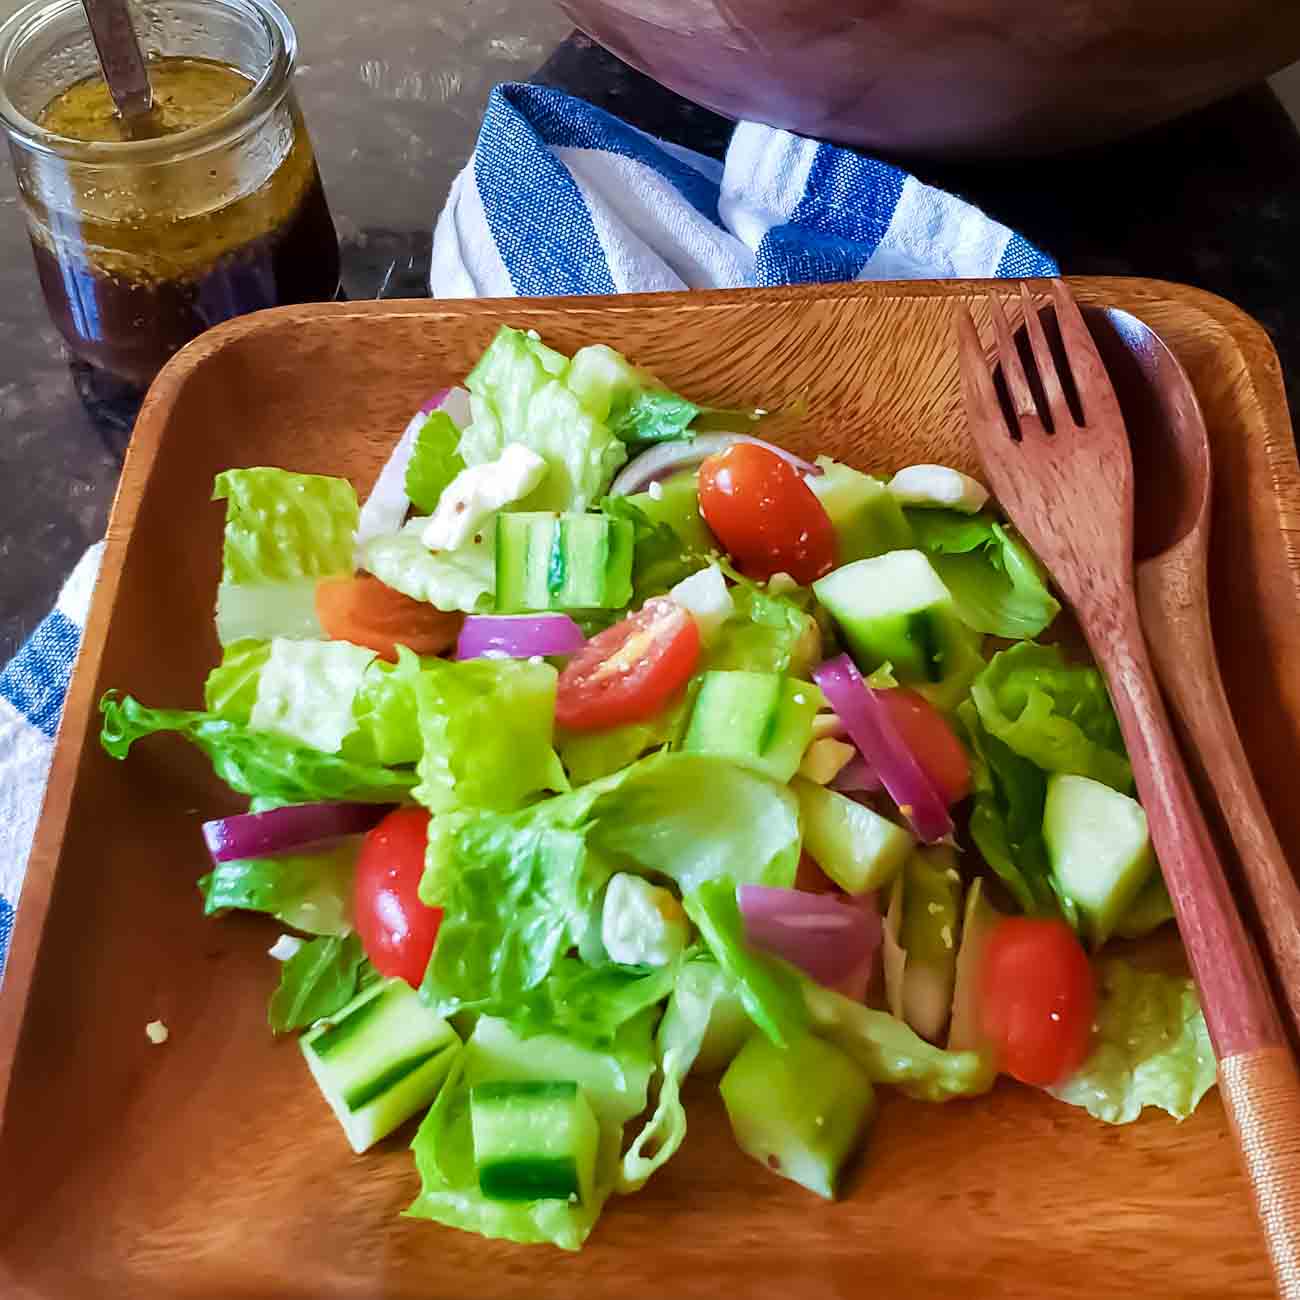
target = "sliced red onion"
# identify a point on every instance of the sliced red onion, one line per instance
(856, 776)
(873, 732)
(666, 458)
(831, 939)
(255, 835)
(518, 636)
(434, 402)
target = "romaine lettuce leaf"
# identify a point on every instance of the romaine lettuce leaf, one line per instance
(308, 891)
(316, 981)
(654, 415)
(463, 579)
(615, 1082)
(306, 690)
(891, 1053)
(231, 687)
(590, 755)
(518, 395)
(769, 989)
(1056, 715)
(388, 725)
(997, 582)
(1152, 1047)
(766, 634)
(283, 531)
(486, 728)
(631, 401)
(434, 461)
(590, 1004)
(268, 768)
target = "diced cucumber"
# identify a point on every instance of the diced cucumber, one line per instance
(980, 920)
(570, 561)
(866, 517)
(760, 720)
(928, 935)
(676, 502)
(895, 609)
(728, 1027)
(1099, 849)
(1151, 909)
(602, 379)
(534, 1140)
(800, 1111)
(855, 846)
(379, 1059)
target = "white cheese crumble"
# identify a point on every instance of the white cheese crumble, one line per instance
(284, 947)
(157, 1032)
(938, 486)
(479, 491)
(656, 490)
(642, 924)
(706, 597)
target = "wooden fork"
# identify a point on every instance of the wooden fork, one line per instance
(1068, 488)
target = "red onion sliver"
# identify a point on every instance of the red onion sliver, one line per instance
(829, 938)
(872, 731)
(434, 402)
(857, 775)
(518, 636)
(255, 835)
(667, 458)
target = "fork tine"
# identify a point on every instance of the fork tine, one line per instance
(1062, 419)
(1022, 397)
(1089, 369)
(976, 379)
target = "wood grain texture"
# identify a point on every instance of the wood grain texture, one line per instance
(210, 1168)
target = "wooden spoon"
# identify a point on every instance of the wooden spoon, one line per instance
(1172, 482)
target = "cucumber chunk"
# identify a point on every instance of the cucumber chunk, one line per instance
(865, 515)
(761, 720)
(894, 609)
(855, 846)
(1099, 848)
(534, 1140)
(379, 1059)
(801, 1111)
(572, 561)
(928, 935)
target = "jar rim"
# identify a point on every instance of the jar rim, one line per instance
(261, 99)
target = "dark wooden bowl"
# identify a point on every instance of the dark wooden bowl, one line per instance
(950, 78)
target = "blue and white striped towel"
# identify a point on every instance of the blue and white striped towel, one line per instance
(561, 198)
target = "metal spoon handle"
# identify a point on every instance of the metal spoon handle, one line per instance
(120, 57)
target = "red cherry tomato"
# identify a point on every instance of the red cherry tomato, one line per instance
(396, 929)
(630, 671)
(811, 878)
(767, 517)
(926, 732)
(1037, 999)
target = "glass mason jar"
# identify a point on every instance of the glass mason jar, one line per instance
(143, 243)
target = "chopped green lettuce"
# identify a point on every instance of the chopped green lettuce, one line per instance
(308, 891)
(306, 690)
(231, 687)
(590, 1004)
(636, 407)
(463, 579)
(1152, 1047)
(268, 768)
(769, 990)
(283, 532)
(486, 729)
(1056, 715)
(766, 634)
(997, 582)
(517, 394)
(891, 1053)
(388, 724)
(615, 1082)
(315, 982)
(434, 462)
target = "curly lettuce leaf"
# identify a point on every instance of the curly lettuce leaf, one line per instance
(311, 892)
(892, 1053)
(997, 582)
(463, 579)
(267, 768)
(615, 1081)
(306, 691)
(231, 687)
(769, 990)
(1056, 715)
(316, 981)
(1152, 1048)
(434, 462)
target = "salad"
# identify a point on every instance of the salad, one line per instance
(605, 745)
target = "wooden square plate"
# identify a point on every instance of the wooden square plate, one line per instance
(210, 1167)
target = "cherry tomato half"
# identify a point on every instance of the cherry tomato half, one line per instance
(811, 879)
(366, 612)
(1037, 999)
(630, 671)
(925, 731)
(396, 929)
(767, 517)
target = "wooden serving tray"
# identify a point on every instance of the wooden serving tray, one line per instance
(210, 1167)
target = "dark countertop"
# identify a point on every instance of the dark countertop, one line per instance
(393, 98)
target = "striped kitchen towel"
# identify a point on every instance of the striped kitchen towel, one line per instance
(561, 198)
